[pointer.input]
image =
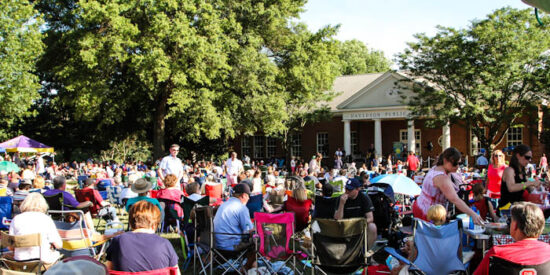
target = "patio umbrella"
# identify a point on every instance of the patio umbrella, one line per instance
(25, 144)
(399, 183)
(8, 166)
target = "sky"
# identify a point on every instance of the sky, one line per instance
(388, 24)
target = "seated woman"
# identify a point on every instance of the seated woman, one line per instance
(171, 190)
(33, 219)
(141, 249)
(299, 204)
(38, 185)
(210, 181)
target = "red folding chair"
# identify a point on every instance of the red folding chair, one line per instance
(214, 191)
(163, 271)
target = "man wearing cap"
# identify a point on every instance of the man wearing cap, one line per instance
(171, 164)
(355, 204)
(233, 218)
(141, 187)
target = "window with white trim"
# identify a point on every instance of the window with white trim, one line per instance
(515, 136)
(246, 147)
(353, 145)
(322, 143)
(475, 144)
(404, 138)
(271, 147)
(259, 147)
(296, 145)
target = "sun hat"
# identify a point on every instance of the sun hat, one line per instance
(141, 185)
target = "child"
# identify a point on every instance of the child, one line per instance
(437, 214)
(482, 203)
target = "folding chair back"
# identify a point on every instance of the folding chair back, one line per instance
(325, 207)
(439, 247)
(113, 194)
(164, 271)
(77, 239)
(338, 187)
(189, 204)
(81, 180)
(87, 194)
(214, 191)
(24, 241)
(173, 214)
(274, 232)
(339, 245)
(255, 204)
(503, 267)
(103, 184)
(6, 212)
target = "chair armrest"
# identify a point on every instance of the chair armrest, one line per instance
(396, 254)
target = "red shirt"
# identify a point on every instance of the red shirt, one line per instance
(412, 162)
(494, 179)
(301, 212)
(526, 252)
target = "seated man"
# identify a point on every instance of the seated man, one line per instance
(526, 226)
(103, 209)
(233, 217)
(355, 204)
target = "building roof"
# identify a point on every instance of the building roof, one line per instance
(347, 86)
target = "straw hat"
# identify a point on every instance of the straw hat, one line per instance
(141, 186)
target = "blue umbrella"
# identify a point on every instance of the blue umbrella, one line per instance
(399, 183)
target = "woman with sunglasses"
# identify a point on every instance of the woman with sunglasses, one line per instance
(438, 187)
(514, 178)
(494, 174)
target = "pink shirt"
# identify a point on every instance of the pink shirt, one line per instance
(494, 179)
(430, 194)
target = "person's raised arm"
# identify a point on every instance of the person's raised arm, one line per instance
(340, 211)
(444, 183)
(513, 186)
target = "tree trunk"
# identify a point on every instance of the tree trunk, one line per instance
(158, 127)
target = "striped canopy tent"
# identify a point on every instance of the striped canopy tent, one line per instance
(24, 144)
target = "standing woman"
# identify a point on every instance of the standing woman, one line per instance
(439, 189)
(494, 174)
(514, 178)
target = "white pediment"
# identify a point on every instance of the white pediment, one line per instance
(380, 93)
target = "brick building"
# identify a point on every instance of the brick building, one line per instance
(368, 112)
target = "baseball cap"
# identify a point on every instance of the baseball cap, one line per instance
(241, 188)
(353, 184)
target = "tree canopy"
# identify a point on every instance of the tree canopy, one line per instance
(20, 47)
(356, 58)
(481, 76)
(183, 70)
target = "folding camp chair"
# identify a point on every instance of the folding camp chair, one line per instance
(275, 232)
(339, 188)
(114, 196)
(255, 204)
(338, 245)
(6, 212)
(214, 191)
(56, 202)
(76, 237)
(325, 207)
(439, 248)
(81, 180)
(227, 261)
(172, 216)
(503, 267)
(25, 241)
(188, 239)
(83, 195)
(163, 271)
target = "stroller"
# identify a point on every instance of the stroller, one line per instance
(385, 215)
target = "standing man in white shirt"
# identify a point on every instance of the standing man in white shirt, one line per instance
(233, 167)
(171, 164)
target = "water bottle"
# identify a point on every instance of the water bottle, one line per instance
(472, 226)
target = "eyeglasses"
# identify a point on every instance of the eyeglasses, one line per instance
(498, 156)
(528, 157)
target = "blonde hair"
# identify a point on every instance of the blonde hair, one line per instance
(437, 214)
(300, 194)
(34, 202)
(500, 161)
(38, 182)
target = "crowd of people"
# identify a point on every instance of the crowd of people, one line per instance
(282, 190)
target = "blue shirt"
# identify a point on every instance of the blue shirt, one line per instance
(232, 217)
(68, 199)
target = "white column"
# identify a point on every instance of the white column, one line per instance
(411, 138)
(378, 136)
(347, 138)
(446, 138)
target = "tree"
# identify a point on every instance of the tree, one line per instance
(356, 58)
(205, 69)
(20, 46)
(481, 76)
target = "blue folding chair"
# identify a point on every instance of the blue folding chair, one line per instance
(439, 248)
(6, 207)
(81, 180)
(255, 204)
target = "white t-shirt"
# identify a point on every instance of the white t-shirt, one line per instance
(172, 165)
(40, 165)
(234, 166)
(31, 223)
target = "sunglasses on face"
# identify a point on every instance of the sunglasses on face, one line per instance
(498, 156)
(528, 157)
